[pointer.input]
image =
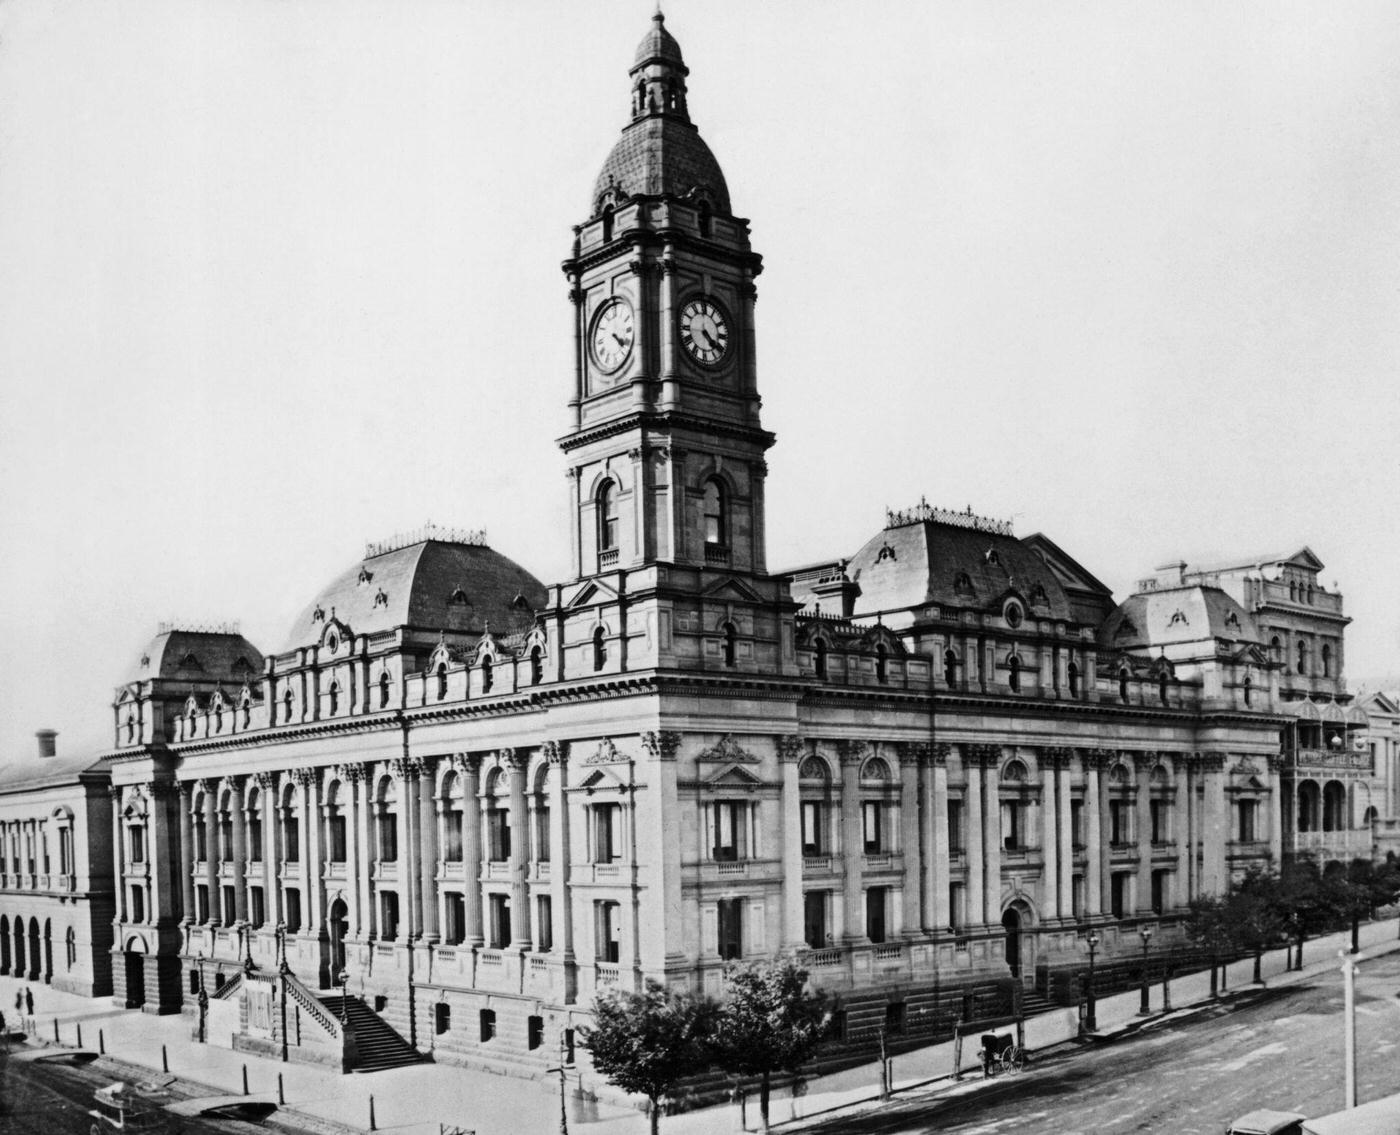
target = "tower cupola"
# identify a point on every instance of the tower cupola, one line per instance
(658, 74)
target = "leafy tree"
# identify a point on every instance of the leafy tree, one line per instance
(1302, 900)
(646, 1043)
(770, 1022)
(1253, 917)
(1205, 925)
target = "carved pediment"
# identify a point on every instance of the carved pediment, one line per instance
(602, 780)
(733, 777)
(590, 592)
(730, 751)
(732, 589)
(606, 754)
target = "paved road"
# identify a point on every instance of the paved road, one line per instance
(1190, 1077)
(53, 1099)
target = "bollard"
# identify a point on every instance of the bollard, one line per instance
(164, 1060)
(80, 1034)
(245, 1079)
(372, 1126)
(281, 1099)
(101, 1044)
(55, 1030)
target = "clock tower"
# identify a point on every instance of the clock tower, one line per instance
(666, 449)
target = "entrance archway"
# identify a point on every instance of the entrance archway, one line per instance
(135, 979)
(48, 950)
(1011, 920)
(35, 958)
(339, 928)
(18, 971)
(4, 943)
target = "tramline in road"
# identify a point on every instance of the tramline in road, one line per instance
(1281, 1049)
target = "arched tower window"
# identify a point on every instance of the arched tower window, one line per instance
(600, 649)
(442, 680)
(729, 644)
(384, 690)
(1248, 690)
(334, 698)
(607, 224)
(607, 517)
(950, 668)
(1326, 656)
(487, 675)
(289, 703)
(704, 219)
(716, 520)
(536, 666)
(1162, 686)
(1073, 672)
(1302, 656)
(1123, 684)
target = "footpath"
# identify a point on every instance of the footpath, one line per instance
(424, 1099)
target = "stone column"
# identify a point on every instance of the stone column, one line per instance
(1181, 832)
(1275, 761)
(941, 877)
(975, 850)
(790, 753)
(267, 797)
(350, 777)
(1066, 832)
(1143, 764)
(210, 788)
(1053, 907)
(238, 813)
(186, 853)
(1214, 820)
(405, 771)
(428, 853)
(469, 765)
(670, 396)
(521, 938)
(991, 834)
(364, 860)
(118, 852)
(313, 883)
(560, 893)
(658, 901)
(444, 836)
(1100, 866)
(852, 840)
(910, 756)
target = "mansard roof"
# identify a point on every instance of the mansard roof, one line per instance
(1177, 615)
(197, 656)
(432, 585)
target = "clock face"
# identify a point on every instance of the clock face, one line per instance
(613, 333)
(705, 331)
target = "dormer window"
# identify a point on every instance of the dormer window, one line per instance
(1162, 687)
(819, 657)
(536, 666)
(1123, 684)
(288, 706)
(992, 556)
(607, 224)
(882, 663)
(458, 598)
(1013, 675)
(333, 643)
(318, 615)
(365, 575)
(441, 680)
(384, 690)
(704, 219)
(962, 583)
(381, 598)
(334, 698)
(487, 675)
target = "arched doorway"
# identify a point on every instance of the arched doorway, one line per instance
(18, 971)
(4, 943)
(48, 950)
(135, 964)
(35, 958)
(1020, 946)
(339, 926)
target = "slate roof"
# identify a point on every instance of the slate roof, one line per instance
(198, 656)
(658, 44)
(34, 772)
(1177, 615)
(662, 156)
(924, 561)
(431, 585)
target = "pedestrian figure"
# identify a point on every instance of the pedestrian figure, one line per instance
(28, 1002)
(19, 1002)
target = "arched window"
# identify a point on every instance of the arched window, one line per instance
(1248, 690)
(607, 517)
(1162, 686)
(882, 663)
(950, 668)
(1013, 673)
(1292, 591)
(729, 647)
(442, 680)
(716, 522)
(600, 649)
(819, 654)
(334, 698)
(487, 675)
(130, 727)
(608, 224)
(1123, 684)
(288, 706)
(218, 717)
(1326, 657)
(1276, 649)
(536, 666)
(384, 690)
(1073, 680)
(1302, 656)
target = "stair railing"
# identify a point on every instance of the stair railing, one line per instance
(311, 1005)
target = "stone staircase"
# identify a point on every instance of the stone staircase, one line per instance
(378, 1045)
(1033, 1003)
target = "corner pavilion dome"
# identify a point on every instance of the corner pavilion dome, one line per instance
(434, 581)
(1175, 616)
(660, 153)
(198, 654)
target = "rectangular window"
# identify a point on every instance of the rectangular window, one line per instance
(872, 824)
(337, 839)
(498, 834)
(226, 838)
(608, 918)
(230, 906)
(1012, 825)
(388, 916)
(452, 831)
(1118, 822)
(201, 904)
(955, 826)
(544, 924)
(138, 846)
(1246, 810)
(138, 904)
(1159, 891)
(388, 838)
(488, 1025)
(291, 899)
(1118, 896)
(456, 929)
(1077, 896)
(814, 919)
(727, 822)
(442, 1017)
(500, 922)
(1157, 812)
(255, 838)
(731, 929)
(875, 902)
(957, 899)
(813, 821)
(534, 1032)
(65, 850)
(895, 1016)
(255, 906)
(1076, 823)
(291, 840)
(607, 833)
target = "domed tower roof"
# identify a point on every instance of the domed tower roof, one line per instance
(431, 585)
(660, 153)
(196, 655)
(1175, 616)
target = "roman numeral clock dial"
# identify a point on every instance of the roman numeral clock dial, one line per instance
(705, 331)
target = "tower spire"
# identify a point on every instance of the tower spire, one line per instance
(658, 74)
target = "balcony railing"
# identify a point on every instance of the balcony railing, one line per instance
(1345, 759)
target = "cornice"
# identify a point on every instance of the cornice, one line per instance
(668, 421)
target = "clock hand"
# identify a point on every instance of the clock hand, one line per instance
(621, 342)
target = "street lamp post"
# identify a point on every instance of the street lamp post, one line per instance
(1091, 1021)
(202, 999)
(1167, 982)
(1146, 934)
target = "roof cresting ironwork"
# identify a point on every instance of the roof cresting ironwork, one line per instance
(429, 531)
(194, 626)
(923, 512)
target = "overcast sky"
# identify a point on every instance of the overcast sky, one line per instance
(277, 278)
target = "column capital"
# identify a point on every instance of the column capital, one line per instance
(1275, 761)
(940, 753)
(405, 768)
(661, 746)
(353, 772)
(266, 781)
(852, 752)
(791, 748)
(1145, 760)
(913, 752)
(513, 758)
(469, 762)
(983, 756)
(1099, 759)
(186, 788)
(302, 777)
(1207, 761)
(1056, 757)
(208, 786)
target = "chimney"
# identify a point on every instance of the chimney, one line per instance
(47, 745)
